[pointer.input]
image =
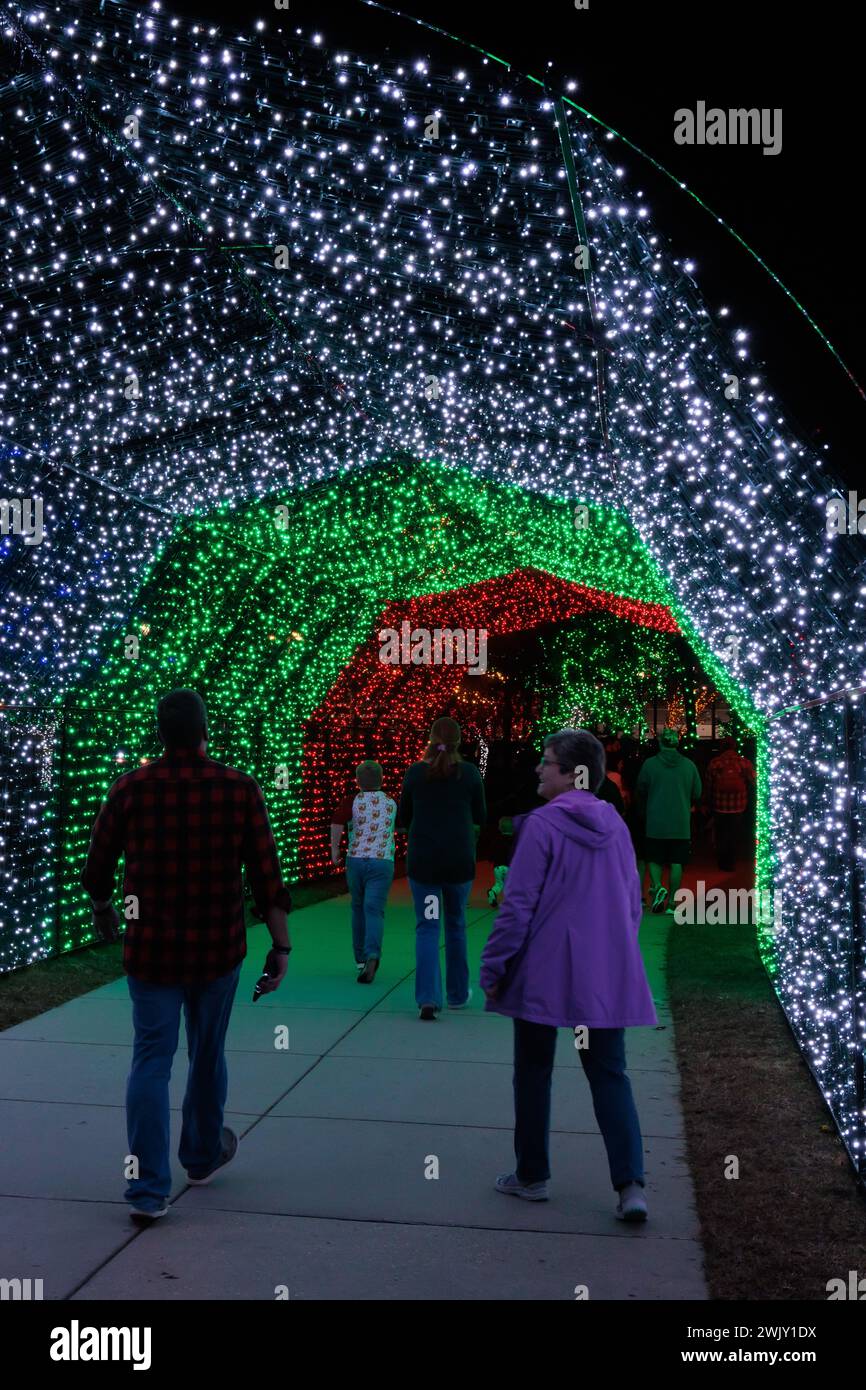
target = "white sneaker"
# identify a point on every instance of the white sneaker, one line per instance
(530, 1192)
(463, 1005)
(632, 1203)
(659, 900)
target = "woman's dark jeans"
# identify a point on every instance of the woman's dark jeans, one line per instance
(604, 1063)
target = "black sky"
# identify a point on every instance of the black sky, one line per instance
(635, 65)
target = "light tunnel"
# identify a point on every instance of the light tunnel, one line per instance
(343, 373)
(273, 612)
(382, 709)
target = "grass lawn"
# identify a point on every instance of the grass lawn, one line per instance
(794, 1218)
(26, 993)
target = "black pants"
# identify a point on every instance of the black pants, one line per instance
(728, 827)
(604, 1064)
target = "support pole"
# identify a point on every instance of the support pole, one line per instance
(690, 701)
(855, 749)
(61, 807)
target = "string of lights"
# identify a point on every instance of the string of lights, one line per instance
(245, 271)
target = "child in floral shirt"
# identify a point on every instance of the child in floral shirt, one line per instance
(370, 817)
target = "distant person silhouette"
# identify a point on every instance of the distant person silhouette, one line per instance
(443, 807)
(370, 817)
(730, 779)
(667, 787)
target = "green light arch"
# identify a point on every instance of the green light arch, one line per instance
(260, 608)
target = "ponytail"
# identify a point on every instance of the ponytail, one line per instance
(442, 750)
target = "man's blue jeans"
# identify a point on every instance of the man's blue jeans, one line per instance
(428, 974)
(604, 1064)
(156, 1016)
(369, 881)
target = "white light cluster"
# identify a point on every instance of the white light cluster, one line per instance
(410, 260)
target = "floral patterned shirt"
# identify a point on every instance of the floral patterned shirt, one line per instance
(370, 817)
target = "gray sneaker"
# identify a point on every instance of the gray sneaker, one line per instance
(143, 1216)
(463, 1005)
(530, 1191)
(230, 1148)
(632, 1203)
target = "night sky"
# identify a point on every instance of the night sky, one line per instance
(635, 65)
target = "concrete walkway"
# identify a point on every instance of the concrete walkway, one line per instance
(327, 1196)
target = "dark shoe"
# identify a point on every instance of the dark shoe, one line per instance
(428, 1013)
(368, 974)
(230, 1148)
(660, 900)
(143, 1217)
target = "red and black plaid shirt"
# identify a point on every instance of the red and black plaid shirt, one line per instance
(186, 826)
(729, 767)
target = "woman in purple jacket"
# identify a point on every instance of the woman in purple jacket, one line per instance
(564, 953)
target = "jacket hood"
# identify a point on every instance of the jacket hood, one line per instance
(669, 757)
(581, 817)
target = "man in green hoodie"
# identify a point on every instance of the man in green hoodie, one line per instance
(668, 786)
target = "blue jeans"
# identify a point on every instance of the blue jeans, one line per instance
(428, 974)
(604, 1064)
(156, 1016)
(369, 881)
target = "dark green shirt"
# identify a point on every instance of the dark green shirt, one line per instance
(439, 815)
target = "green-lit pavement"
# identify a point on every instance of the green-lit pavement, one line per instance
(329, 1195)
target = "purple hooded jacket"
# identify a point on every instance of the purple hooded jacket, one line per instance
(564, 947)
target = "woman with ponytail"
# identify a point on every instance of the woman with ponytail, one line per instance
(443, 808)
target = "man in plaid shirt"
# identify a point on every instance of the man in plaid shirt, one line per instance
(186, 827)
(729, 778)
